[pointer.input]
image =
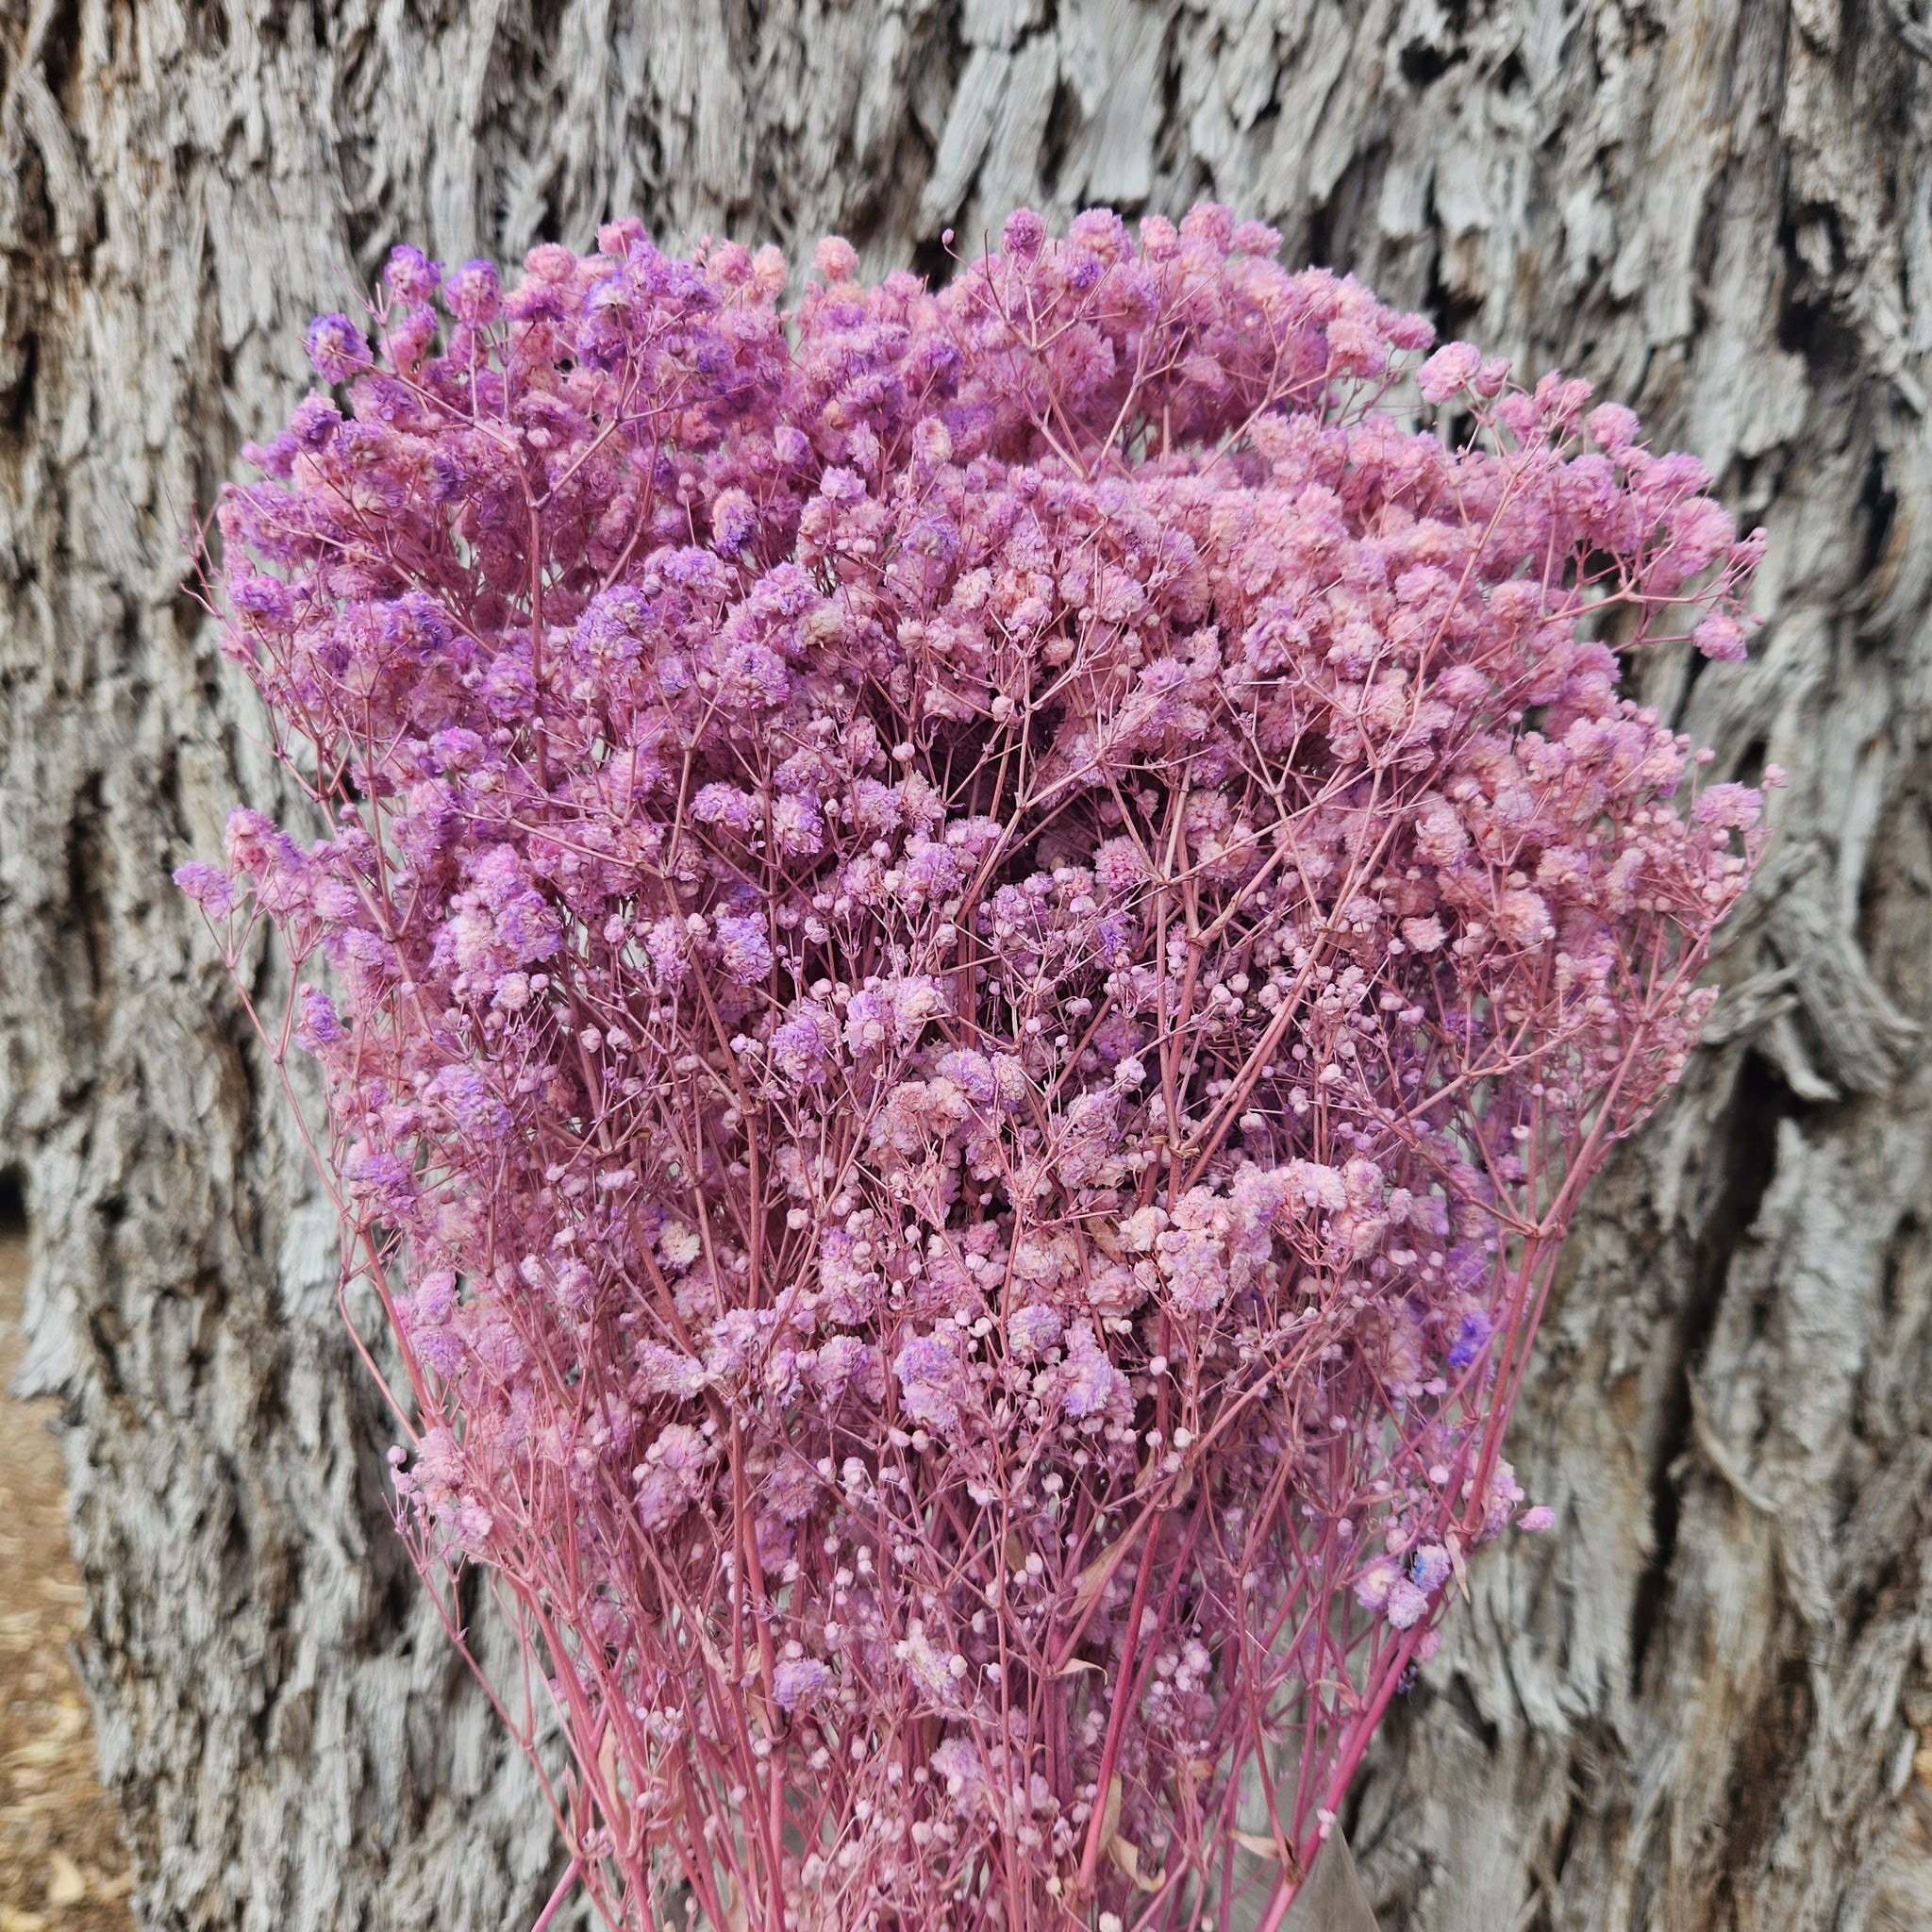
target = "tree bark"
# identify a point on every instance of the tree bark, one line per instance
(1697, 1706)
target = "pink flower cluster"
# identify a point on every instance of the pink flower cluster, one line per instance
(979, 941)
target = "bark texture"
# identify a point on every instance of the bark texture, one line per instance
(1697, 1707)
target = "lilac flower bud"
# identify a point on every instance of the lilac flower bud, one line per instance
(1719, 637)
(845, 1363)
(1523, 920)
(318, 1025)
(1429, 1568)
(754, 675)
(1451, 368)
(800, 1681)
(800, 1045)
(1032, 1330)
(436, 1297)
(473, 294)
(208, 886)
(723, 804)
(337, 350)
(315, 422)
(971, 1071)
(1091, 1382)
(835, 259)
(928, 1372)
(1469, 1338)
(442, 1351)
(1023, 234)
(266, 599)
(1114, 938)
(666, 942)
(1375, 1583)
(410, 274)
(1407, 1603)
(665, 1371)
(744, 950)
(734, 522)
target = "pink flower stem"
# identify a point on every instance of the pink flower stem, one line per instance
(571, 1872)
(1357, 1741)
(1116, 1723)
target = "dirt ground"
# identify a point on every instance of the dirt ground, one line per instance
(62, 1865)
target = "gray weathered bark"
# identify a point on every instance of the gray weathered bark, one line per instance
(1697, 1706)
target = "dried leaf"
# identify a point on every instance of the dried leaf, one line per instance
(1110, 1812)
(1105, 1237)
(1125, 1855)
(614, 1804)
(1093, 1579)
(1273, 1850)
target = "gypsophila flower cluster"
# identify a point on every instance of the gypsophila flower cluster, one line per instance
(976, 944)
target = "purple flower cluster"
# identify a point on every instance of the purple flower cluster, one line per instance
(976, 945)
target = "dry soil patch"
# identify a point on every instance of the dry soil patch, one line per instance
(62, 1865)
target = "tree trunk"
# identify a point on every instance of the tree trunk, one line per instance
(1695, 1707)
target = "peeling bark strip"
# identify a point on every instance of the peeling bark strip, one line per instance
(1709, 1714)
